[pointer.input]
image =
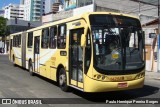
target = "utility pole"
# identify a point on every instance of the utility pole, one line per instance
(140, 11)
(158, 36)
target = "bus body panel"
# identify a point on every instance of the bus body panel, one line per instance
(92, 85)
(23, 49)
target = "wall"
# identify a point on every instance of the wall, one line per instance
(151, 49)
(81, 10)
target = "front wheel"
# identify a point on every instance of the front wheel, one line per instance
(63, 80)
(30, 68)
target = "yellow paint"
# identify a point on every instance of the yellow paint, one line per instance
(49, 70)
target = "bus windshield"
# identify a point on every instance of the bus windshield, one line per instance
(118, 44)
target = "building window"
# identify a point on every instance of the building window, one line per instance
(61, 40)
(30, 39)
(45, 38)
(53, 36)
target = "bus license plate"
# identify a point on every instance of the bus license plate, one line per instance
(122, 85)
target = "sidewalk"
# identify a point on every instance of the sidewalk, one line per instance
(3, 53)
(153, 75)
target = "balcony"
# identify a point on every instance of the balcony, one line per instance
(36, 12)
(37, 4)
(36, 16)
(37, 8)
(37, 0)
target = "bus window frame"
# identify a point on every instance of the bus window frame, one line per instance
(58, 36)
(30, 41)
(46, 37)
(88, 38)
(54, 37)
(19, 40)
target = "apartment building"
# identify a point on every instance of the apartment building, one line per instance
(34, 9)
(14, 11)
(48, 5)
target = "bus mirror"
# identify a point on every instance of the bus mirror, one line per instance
(152, 35)
(83, 40)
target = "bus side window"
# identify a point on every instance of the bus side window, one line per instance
(30, 39)
(88, 53)
(61, 40)
(19, 40)
(13, 41)
(53, 35)
(45, 38)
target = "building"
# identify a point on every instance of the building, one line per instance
(15, 26)
(1, 13)
(48, 6)
(34, 9)
(22, 2)
(13, 11)
(146, 12)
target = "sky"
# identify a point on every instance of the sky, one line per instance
(6, 2)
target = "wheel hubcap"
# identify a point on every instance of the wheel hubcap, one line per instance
(62, 79)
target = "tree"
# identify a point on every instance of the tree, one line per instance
(3, 26)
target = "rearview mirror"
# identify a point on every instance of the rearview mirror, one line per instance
(152, 35)
(83, 40)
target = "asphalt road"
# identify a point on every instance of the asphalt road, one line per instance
(16, 82)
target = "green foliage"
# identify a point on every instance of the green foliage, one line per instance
(3, 27)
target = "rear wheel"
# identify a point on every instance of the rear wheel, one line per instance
(63, 80)
(30, 68)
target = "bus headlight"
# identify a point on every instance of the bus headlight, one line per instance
(140, 75)
(103, 77)
(99, 76)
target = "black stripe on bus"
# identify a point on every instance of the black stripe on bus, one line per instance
(18, 58)
(42, 64)
(53, 67)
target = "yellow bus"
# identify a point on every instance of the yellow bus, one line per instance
(93, 52)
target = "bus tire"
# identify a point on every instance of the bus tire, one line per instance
(30, 68)
(63, 80)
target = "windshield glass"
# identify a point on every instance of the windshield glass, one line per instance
(118, 46)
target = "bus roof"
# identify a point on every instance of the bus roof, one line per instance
(16, 33)
(78, 17)
(75, 18)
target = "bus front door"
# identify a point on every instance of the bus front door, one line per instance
(36, 53)
(76, 59)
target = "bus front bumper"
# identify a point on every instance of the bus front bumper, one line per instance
(92, 85)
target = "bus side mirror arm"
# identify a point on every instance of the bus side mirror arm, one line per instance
(83, 40)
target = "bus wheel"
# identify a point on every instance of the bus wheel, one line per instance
(63, 80)
(30, 68)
